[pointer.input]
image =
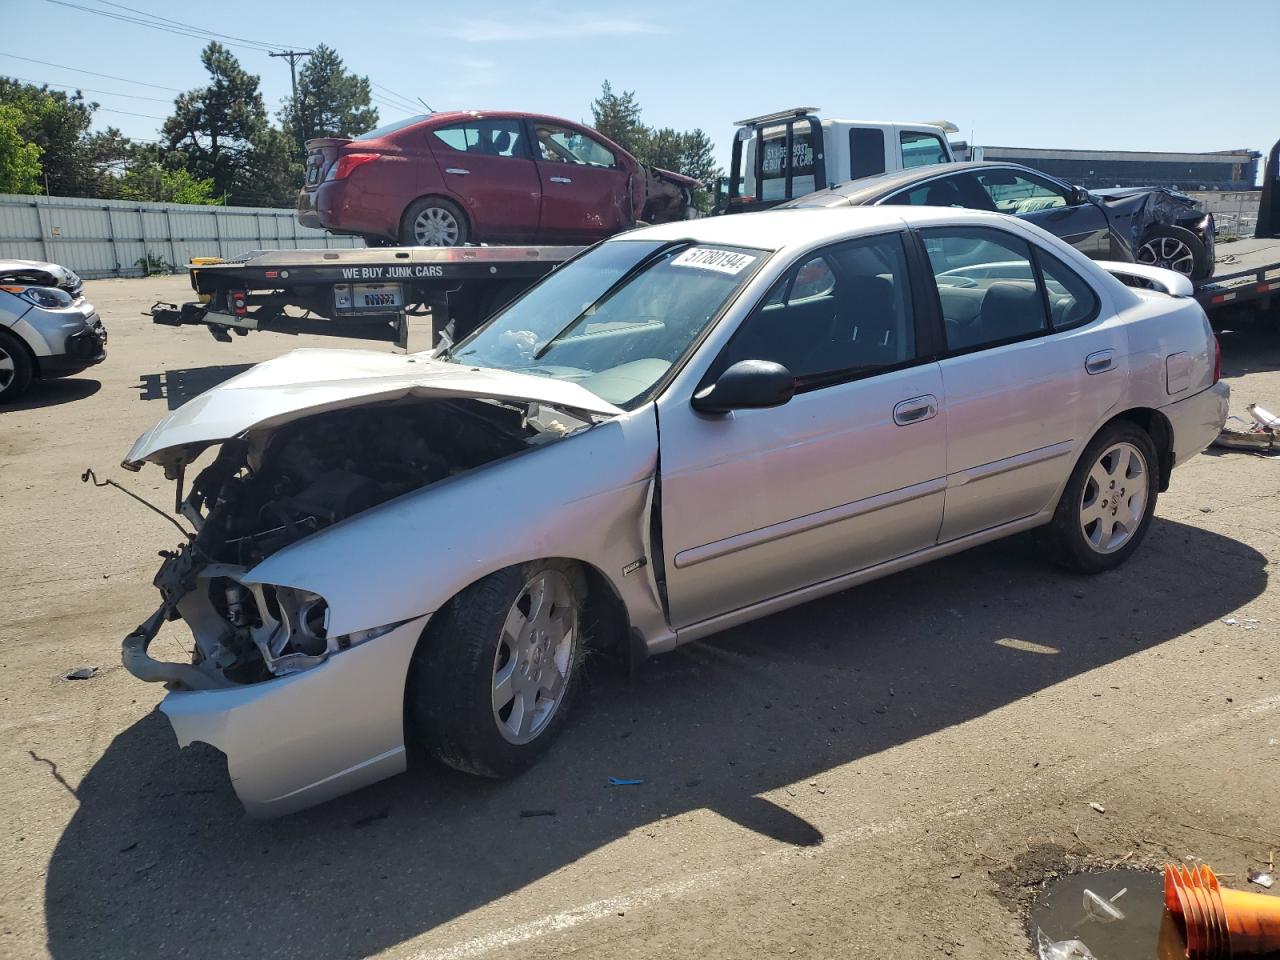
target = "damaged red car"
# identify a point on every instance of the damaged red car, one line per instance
(447, 179)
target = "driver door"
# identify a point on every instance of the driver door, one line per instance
(1049, 206)
(848, 474)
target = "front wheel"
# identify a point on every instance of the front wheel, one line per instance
(1108, 502)
(1176, 249)
(492, 678)
(15, 368)
(433, 222)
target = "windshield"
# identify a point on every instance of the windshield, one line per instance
(616, 319)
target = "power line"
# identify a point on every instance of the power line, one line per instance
(105, 76)
(191, 26)
(129, 114)
(76, 86)
(195, 33)
(393, 94)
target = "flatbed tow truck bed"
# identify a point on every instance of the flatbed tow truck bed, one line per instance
(366, 294)
(1245, 270)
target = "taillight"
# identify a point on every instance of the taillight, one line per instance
(1217, 359)
(348, 162)
(239, 302)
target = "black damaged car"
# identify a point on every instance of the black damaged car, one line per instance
(1151, 225)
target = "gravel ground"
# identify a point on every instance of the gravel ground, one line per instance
(883, 773)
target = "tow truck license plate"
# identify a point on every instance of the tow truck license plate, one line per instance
(367, 297)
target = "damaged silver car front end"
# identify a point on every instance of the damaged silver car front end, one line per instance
(326, 535)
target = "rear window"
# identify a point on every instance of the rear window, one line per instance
(776, 161)
(866, 152)
(392, 127)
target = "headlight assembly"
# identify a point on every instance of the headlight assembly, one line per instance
(51, 298)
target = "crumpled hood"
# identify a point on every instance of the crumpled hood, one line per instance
(40, 273)
(304, 382)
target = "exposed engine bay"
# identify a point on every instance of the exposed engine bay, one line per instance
(275, 487)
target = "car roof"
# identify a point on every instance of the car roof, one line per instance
(802, 227)
(872, 188)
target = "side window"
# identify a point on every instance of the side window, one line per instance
(1072, 301)
(1014, 193)
(563, 145)
(838, 314)
(986, 286)
(495, 138)
(866, 152)
(920, 149)
(960, 190)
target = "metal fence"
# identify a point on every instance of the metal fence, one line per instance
(1235, 212)
(124, 238)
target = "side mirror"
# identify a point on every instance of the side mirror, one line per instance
(747, 385)
(1078, 196)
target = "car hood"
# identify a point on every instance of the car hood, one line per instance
(40, 273)
(678, 178)
(1120, 193)
(304, 382)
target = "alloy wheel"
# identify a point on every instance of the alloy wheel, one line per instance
(1115, 498)
(535, 655)
(1169, 253)
(436, 227)
(8, 369)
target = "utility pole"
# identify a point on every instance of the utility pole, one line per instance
(293, 56)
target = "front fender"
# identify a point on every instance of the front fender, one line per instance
(584, 497)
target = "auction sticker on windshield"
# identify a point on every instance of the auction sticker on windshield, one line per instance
(722, 261)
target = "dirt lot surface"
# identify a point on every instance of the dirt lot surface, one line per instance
(883, 773)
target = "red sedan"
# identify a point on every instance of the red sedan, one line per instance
(447, 179)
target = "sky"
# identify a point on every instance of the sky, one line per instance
(1169, 75)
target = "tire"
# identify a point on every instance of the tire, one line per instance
(480, 660)
(1177, 249)
(434, 222)
(16, 368)
(1089, 538)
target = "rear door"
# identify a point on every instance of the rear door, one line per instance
(1049, 206)
(487, 167)
(586, 189)
(1030, 370)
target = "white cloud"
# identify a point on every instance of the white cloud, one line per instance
(541, 26)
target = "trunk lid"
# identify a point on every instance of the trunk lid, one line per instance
(310, 381)
(322, 152)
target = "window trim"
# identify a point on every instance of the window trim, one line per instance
(832, 378)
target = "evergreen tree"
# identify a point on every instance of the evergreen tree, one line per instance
(617, 116)
(330, 103)
(213, 130)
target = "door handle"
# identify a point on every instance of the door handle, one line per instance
(1099, 362)
(561, 180)
(915, 410)
(457, 170)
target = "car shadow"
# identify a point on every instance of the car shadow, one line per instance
(159, 853)
(1249, 345)
(176, 387)
(52, 393)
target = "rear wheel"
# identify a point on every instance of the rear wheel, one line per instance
(433, 222)
(1176, 249)
(495, 671)
(1106, 508)
(15, 368)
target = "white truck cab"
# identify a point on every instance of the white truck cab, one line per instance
(781, 156)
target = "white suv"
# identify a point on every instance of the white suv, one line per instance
(781, 156)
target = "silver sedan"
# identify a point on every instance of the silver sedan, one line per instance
(687, 427)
